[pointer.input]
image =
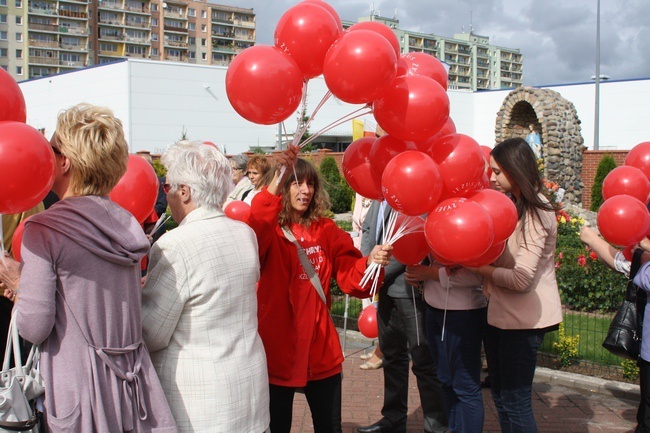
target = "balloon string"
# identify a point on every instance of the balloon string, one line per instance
(444, 317)
(353, 115)
(2, 244)
(415, 316)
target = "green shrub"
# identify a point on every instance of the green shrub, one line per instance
(566, 347)
(585, 283)
(159, 168)
(605, 165)
(630, 369)
(339, 191)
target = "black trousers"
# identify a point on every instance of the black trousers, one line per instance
(323, 397)
(643, 414)
(402, 331)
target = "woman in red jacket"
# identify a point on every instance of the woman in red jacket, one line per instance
(302, 345)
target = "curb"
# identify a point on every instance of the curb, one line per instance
(578, 382)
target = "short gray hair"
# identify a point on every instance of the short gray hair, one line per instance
(240, 161)
(201, 167)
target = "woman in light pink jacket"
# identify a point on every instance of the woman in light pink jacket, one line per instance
(521, 286)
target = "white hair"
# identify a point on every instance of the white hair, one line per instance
(202, 168)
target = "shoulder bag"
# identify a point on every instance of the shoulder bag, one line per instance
(20, 386)
(624, 335)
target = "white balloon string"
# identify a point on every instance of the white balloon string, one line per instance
(415, 308)
(2, 244)
(357, 113)
(444, 317)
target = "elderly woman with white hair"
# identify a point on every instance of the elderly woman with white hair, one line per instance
(199, 307)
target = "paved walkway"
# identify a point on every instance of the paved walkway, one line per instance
(562, 403)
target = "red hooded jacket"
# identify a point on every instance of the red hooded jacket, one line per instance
(299, 336)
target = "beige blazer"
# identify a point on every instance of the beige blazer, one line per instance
(523, 290)
(199, 320)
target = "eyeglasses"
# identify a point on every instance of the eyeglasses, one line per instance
(235, 168)
(166, 187)
(56, 150)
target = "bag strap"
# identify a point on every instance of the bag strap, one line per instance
(636, 262)
(13, 346)
(306, 264)
(632, 290)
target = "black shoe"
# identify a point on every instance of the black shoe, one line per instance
(381, 426)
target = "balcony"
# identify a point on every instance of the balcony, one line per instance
(137, 55)
(111, 37)
(137, 9)
(73, 14)
(247, 24)
(176, 44)
(224, 49)
(139, 25)
(174, 15)
(175, 29)
(52, 28)
(110, 6)
(78, 48)
(71, 64)
(175, 58)
(110, 22)
(108, 53)
(43, 44)
(138, 41)
(43, 11)
(39, 60)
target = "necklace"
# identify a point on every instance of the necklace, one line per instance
(298, 231)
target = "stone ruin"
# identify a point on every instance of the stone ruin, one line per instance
(558, 125)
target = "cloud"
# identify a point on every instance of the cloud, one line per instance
(556, 37)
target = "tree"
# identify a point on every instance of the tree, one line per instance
(338, 189)
(303, 118)
(606, 164)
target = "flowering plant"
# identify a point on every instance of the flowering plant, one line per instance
(585, 282)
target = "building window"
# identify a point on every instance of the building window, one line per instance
(3, 2)
(191, 40)
(154, 51)
(19, 4)
(191, 12)
(154, 7)
(3, 19)
(192, 55)
(19, 54)
(204, 56)
(203, 28)
(203, 42)
(3, 36)
(19, 70)
(154, 22)
(19, 20)
(19, 37)
(154, 37)
(191, 26)
(3, 52)
(204, 14)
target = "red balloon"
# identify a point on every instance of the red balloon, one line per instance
(501, 209)
(489, 257)
(329, 9)
(623, 220)
(639, 157)
(305, 32)
(460, 161)
(448, 128)
(238, 210)
(629, 180)
(386, 148)
(417, 63)
(12, 102)
(459, 230)
(628, 252)
(486, 153)
(440, 259)
(26, 167)
(360, 66)
(380, 28)
(17, 239)
(411, 183)
(137, 190)
(413, 108)
(358, 171)
(367, 322)
(412, 248)
(264, 85)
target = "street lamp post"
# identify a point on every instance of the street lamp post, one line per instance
(597, 103)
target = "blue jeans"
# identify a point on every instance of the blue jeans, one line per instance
(512, 357)
(459, 364)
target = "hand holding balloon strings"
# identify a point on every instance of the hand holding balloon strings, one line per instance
(391, 235)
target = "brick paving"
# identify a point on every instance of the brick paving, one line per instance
(557, 408)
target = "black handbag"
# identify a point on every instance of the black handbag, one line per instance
(624, 335)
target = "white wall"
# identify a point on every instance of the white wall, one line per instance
(156, 100)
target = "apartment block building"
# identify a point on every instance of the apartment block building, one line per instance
(474, 64)
(44, 37)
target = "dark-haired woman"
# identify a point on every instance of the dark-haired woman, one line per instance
(521, 285)
(302, 345)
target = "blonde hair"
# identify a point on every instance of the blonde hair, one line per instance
(93, 140)
(320, 202)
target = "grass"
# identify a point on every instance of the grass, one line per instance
(592, 330)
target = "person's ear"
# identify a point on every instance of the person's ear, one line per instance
(65, 164)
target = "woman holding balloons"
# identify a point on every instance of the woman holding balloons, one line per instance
(300, 251)
(521, 286)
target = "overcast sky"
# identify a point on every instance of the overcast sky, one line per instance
(556, 37)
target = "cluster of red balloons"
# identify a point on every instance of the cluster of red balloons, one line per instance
(623, 218)
(26, 158)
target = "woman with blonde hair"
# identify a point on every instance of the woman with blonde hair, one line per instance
(80, 289)
(300, 252)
